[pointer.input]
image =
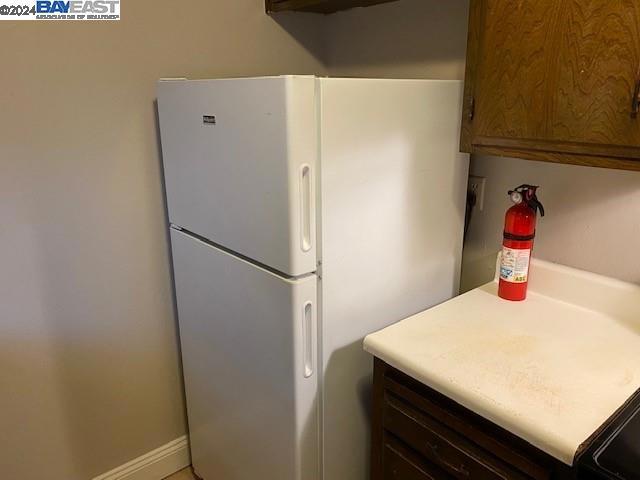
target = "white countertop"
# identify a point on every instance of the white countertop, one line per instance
(551, 369)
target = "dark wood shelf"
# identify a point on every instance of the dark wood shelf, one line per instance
(318, 6)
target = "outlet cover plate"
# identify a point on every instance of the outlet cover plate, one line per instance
(478, 185)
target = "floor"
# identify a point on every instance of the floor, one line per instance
(184, 474)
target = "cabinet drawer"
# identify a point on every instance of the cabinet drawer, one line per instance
(480, 433)
(442, 446)
(400, 463)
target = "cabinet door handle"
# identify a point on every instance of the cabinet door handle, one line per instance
(461, 470)
(635, 102)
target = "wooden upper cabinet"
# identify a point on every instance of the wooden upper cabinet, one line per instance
(554, 80)
(318, 6)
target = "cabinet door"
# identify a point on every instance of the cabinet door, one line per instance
(596, 73)
(554, 80)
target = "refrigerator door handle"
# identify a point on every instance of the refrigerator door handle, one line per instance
(308, 334)
(305, 208)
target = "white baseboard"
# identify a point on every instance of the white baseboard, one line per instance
(155, 465)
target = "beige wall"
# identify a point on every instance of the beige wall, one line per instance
(89, 361)
(405, 39)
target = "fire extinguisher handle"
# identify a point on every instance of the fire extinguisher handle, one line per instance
(537, 206)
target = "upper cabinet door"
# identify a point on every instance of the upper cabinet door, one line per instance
(554, 80)
(597, 67)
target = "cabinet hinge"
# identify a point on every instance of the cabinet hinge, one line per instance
(472, 108)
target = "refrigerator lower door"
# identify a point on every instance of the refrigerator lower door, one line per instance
(249, 351)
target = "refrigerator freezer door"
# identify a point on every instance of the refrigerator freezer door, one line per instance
(239, 161)
(249, 358)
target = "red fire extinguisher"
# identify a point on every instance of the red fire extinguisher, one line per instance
(519, 232)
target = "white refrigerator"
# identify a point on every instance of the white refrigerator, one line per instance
(304, 214)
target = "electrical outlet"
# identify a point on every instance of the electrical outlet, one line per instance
(477, 185)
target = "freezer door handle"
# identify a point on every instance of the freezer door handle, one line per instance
(308, 335)
(305, 208)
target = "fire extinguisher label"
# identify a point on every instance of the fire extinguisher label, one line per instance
(514, 265)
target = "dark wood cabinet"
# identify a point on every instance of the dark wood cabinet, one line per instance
(420, 434)
(554, 80)
(319, 6)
